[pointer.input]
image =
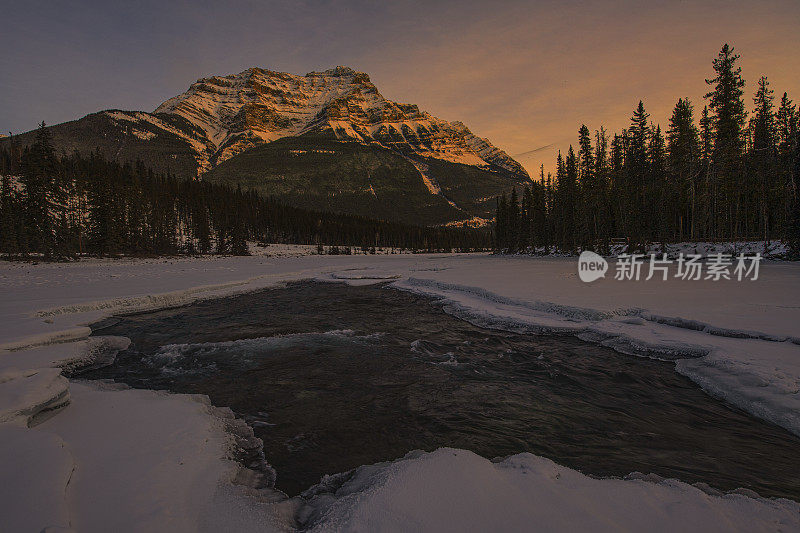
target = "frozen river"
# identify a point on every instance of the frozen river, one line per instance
(332, 376)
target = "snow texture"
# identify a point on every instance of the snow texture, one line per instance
(95, 457)
(457, 490)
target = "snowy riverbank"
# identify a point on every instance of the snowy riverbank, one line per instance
(131, 460)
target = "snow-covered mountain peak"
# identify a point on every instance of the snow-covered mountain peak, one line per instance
(233, 113)
(338, 71)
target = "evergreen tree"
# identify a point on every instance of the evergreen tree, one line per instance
(570, 201)
(590, 195)
(788, 132)
(538, 216)
(104, 219)
(636, 178)
(600, 151)
(683, 148)
(239, 233)
(513, 221)
(617, 191)
(526, 228)
(9, 205)
(786, 123)
(501, 224)
(38, 180)
(726, 101)
(585, 153)
(793, 226)
(561, 201)
(709, 193)
(658, 206)
(764, 157)
(548, 232)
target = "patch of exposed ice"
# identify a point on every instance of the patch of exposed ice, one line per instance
(26, 394)
(191, 358)
(95, 352)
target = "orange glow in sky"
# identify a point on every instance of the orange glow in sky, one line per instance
(525, 75)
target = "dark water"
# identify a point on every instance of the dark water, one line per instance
(409, 376)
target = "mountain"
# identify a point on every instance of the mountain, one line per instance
(326, 140)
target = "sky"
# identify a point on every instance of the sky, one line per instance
(525, 75)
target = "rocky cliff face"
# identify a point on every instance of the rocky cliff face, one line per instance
(233, 113)
(327, 141)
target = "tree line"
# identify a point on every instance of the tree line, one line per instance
(66, 205)
(723, 177)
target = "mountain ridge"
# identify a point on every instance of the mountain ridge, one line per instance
(238, 111)
(215, 128)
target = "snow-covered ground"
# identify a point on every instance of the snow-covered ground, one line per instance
(299, 250)
(455, 490)
(774, 249)
(94, 457)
